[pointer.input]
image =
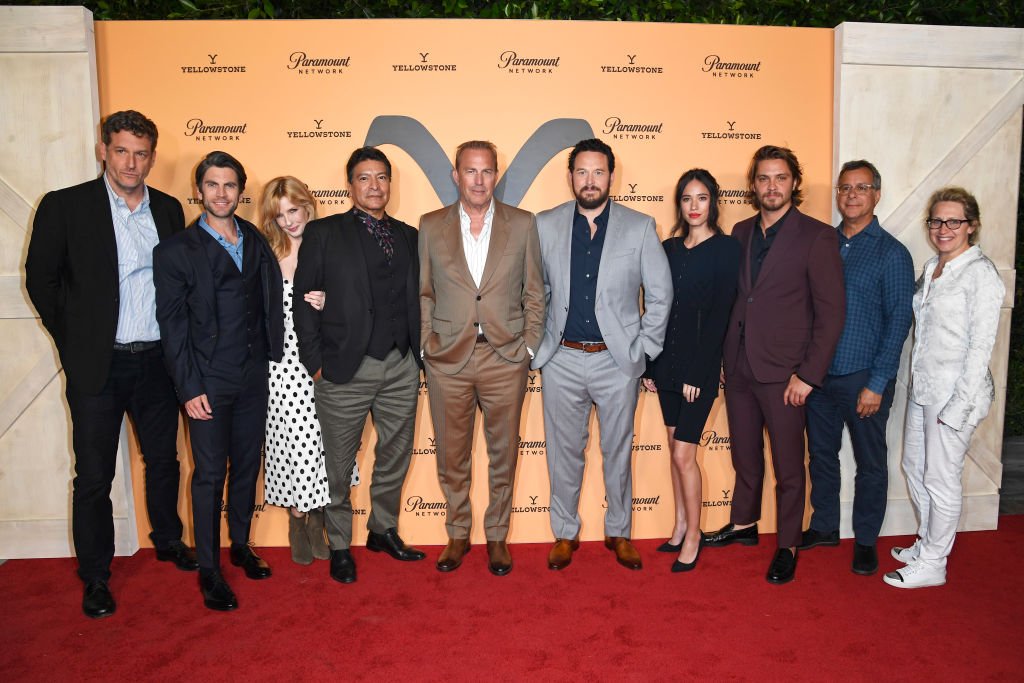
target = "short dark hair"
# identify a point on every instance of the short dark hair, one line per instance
(220, 160)
(876, 177)
(682, 228)
(592, 145)
(767, 153)
(131, 121)
(365, 154)
(480, 145)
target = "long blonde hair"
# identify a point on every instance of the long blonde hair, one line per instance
(270, 203)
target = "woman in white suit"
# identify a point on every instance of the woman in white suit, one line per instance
(956, 309)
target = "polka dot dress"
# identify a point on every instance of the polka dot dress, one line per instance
(295, 474)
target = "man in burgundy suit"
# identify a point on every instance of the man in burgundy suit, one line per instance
(788, 316)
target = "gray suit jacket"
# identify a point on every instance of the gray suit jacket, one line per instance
(632, 260)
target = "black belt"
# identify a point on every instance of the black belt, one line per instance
(585, 347)
(136, 347)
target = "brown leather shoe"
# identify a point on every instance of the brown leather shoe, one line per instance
(625, 553)
(499, 559)
(561, 553)
(451, 557)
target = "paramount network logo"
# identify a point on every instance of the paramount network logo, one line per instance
(514, 64)
(710, 440)
(536, 447)
(318, 132)
(733, 196)
(201, 131)
(730, 133)
(424, 65)
(634, 196)
(301, 63)
(630, 130)
(425, 508)
(632, 68)
(330, 196)
(641, 503)
(714, 65)
(414, 139)
(213, 67)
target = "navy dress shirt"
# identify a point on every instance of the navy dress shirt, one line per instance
(581, 322)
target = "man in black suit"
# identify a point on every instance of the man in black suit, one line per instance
(89, 273)
(362, 350)
(218, 301)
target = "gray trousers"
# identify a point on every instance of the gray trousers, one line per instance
(387, 390)
(572, 381)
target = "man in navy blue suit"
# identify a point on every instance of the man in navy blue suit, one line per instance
(218, 301)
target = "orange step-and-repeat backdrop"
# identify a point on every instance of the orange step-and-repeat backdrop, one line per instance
(296, 97)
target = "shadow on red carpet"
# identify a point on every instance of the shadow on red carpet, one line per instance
(594, 620)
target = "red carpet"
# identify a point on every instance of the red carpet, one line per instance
(595, 620)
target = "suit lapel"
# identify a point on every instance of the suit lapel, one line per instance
(786, 236)
(745, 261)
(200, 262)
(350, 227)
(160, 217)
(453, 241)
(105, 224)
(496, 247)
(563, 257)
(612, 238)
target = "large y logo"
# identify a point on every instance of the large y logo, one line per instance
(414, 139)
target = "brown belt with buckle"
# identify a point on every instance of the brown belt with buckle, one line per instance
(585, 347)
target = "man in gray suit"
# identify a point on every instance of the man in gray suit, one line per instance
(598, 256)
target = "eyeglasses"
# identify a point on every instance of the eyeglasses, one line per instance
(861, 188)
(951, 223)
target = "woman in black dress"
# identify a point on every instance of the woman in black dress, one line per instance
(705, 266)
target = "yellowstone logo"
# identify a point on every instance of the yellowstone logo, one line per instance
(213, 67)
(532, 507)
(424, 65)
(632, 67)
(330, 196)
(533, 385)
(730, 133)
(414, 139)
(305, 65)
(710, 441)
(425, 508)
(200, 131)
(724, 501)
(644, 447)
(633, 196)
(512, 63)
(431, 448)
(318, 132)
(630, 130)
(719, 68)
(242, 201)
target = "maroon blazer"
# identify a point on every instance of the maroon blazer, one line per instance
(794, 315)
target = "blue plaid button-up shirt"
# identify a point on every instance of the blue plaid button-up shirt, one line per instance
(879, 276)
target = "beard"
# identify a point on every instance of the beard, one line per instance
(594, 201)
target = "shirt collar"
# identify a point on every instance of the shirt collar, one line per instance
(118, 201)
(776, 225)
(969, 256)
(874, 228)
(369, 220)
(602, 219)
(464, 220)
(206, 226)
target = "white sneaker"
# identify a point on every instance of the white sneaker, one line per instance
(917, 574)
(908, 554)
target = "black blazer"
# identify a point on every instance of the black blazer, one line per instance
(186, 305)
(71, 274)
(331, 259)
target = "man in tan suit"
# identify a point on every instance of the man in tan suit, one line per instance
(482, 313)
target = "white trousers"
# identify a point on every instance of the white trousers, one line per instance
(933, 462)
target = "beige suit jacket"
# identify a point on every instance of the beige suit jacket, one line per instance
(509, 301)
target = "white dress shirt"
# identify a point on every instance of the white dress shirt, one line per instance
(135, 234)
(957, 316)
(475, 248)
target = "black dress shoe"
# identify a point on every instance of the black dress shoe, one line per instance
(392, 544)
(217, 594)
(254, 565)
(865, 559)
(97, 602)
(813, 537)
(783, 566)
(669, 547)
(343, 566)
(729, 534)
(181, 555)
(678, 566)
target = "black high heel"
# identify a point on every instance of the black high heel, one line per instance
(678, 566)
(667, 547)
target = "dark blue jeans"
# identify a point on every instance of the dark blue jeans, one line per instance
(828, 409)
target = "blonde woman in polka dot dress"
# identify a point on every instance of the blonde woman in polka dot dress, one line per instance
(295, 476)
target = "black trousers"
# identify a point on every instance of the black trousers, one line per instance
(234, 435)
(138, 385)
